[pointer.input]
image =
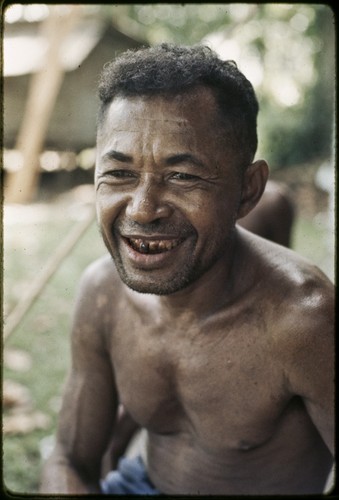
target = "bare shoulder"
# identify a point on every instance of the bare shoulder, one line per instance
(299, 296)
(305, 291)
(290, 274)
(306, 325)
(301, 316)
(98, 294)
(100, 275)
(301, 332)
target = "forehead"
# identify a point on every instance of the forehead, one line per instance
(193, 113)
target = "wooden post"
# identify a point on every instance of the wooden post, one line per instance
(44, 87)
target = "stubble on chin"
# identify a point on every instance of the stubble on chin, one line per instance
(145, 284)
(190, 272)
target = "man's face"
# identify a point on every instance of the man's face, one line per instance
(167, 189)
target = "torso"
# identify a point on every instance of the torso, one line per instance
(212, 394)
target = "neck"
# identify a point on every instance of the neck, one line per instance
(218, 286)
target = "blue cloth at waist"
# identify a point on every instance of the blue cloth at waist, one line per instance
(130, 478)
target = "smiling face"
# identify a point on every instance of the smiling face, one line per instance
(168, 190)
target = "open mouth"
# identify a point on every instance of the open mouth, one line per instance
(152, 246)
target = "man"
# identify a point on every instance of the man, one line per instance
(271, 218)
(218, 342)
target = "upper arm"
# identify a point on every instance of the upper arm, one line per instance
(90, 401)
(281, 218)
(311, 363)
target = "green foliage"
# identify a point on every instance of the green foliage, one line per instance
(286, 50)
(304, 132)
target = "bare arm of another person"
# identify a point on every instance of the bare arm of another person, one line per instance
(309, 355)
(273, 217)
(89, 404)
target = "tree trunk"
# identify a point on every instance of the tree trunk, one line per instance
(21, 186)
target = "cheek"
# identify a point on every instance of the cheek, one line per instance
(108, 198)
(108, 205)
(214, 219)
(215, 208)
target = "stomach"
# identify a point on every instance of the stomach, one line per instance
(294, 460)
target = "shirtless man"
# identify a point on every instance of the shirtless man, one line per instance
(219, 343)
(271, 218)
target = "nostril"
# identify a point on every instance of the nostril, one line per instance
(141, 210)
(145, 209)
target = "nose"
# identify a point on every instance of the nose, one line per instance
(147, 202)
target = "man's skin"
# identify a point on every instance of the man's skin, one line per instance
(271, 218)
(227, 361)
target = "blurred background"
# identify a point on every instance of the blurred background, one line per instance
(53, 55)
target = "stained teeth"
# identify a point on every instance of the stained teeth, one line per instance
(144, 247)
(162, 245)
(155, 246)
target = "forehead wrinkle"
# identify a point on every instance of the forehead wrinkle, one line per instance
(106, 132)
(117, 137)
(151, 125)
(161, 129)
(124, 131)
(161, 119)
(139, 112)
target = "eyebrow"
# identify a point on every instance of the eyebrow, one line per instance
(172, 160)
(183, 158)
(117, 155)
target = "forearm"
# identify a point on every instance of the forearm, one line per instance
(58, 476)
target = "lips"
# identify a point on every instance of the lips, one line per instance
(152, 246)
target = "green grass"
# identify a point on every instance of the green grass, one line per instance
(44, 331)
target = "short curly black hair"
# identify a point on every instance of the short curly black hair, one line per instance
(169, 69)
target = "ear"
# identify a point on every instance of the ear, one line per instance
(254, 182)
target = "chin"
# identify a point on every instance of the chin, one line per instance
(156, 287)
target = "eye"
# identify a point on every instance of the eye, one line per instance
(182, 176)
(120, 174)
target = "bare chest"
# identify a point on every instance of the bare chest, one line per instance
(218, 382)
